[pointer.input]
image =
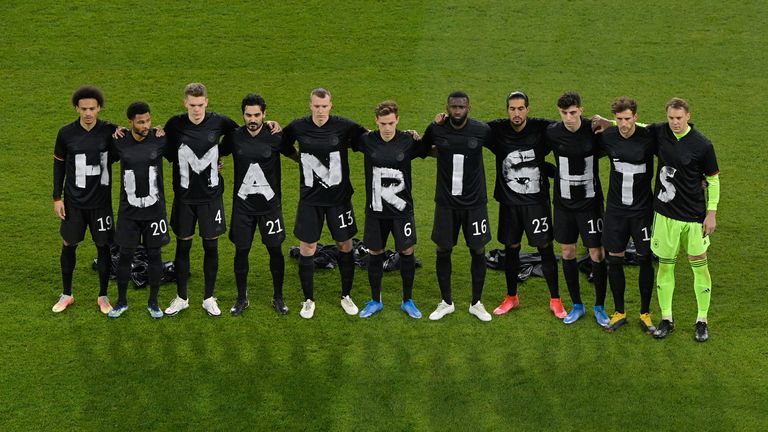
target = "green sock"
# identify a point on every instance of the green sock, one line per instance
(702, 285)
(665, 286)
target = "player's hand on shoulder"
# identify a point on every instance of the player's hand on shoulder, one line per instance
(58, 209)
(414, 134)
(440, 118)
(159, 132)
(274, 127)
(119, 132)
(600, 123)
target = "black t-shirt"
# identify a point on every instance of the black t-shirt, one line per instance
(142, 195)
(577, 183)
(629, 190)
(195, 156)
(323, 161)
(88, 173)
(388, 173)
(520, 179)
(682, 166)
(460, 180)
(257, 169)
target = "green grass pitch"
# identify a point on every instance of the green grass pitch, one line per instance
(525, 371)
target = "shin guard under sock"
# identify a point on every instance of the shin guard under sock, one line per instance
(181, 262)
(210, 265)
(68, 260)
(511, 268)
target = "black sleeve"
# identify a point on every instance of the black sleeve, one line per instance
(355, 133)
(287, 141)
(419, 149)
(228, 125)
(59, 168)
(60, 148)
(114, 156)
(225, 148)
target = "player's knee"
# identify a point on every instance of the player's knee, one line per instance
(479, 251)
(189, 239)
(618, 254)
(596, 254)
(615, 259)
(697, 257)
(513, 246)
(69, 245)
(307, 249)
(153, 252)
(407, 252)
(275, 251)
(345, 246)
(375, 251)
(568, 251)
(444, 251)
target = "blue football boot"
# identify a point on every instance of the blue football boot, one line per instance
(575, 313)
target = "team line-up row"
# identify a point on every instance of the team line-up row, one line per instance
(678, 211)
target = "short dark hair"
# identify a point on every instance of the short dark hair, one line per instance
(137, 108)
(321, 93)
(677, 103)
(252, 99)
(569, 98)
(623, 103)
(518, 94)
(458, 95)
(88, 92)
(386, 108)
(195, 90)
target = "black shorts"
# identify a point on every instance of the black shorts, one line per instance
(377, 231)
(99, 222)
(210, 217)
(617, 230)
(473, 222)
(309, 222)
(535, 220)
(569, 225)
(243, 226)
(151, 233)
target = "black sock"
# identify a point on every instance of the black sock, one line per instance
(645, 281)
(443, 270)
(124, 275)
(601, 287)
(181, 262)
(571, 274)
(307, 276)
(407, 273)
(477, 270)
(154, 274)
(104, 264)
(375, 273)
(617, 280)
(241, 273)
(549, 268)
(277, 268)
(210, 265)
(68, 260)
(511, 268)
(347, 271)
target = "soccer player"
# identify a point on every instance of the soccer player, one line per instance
(389, 203)
(325, 192)
(256, 199)
(578, 201)
(193, 139)
(141, 216)
(683, 212)
(81, 170)
(629, 206)
(522, 191)
(460, 199)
